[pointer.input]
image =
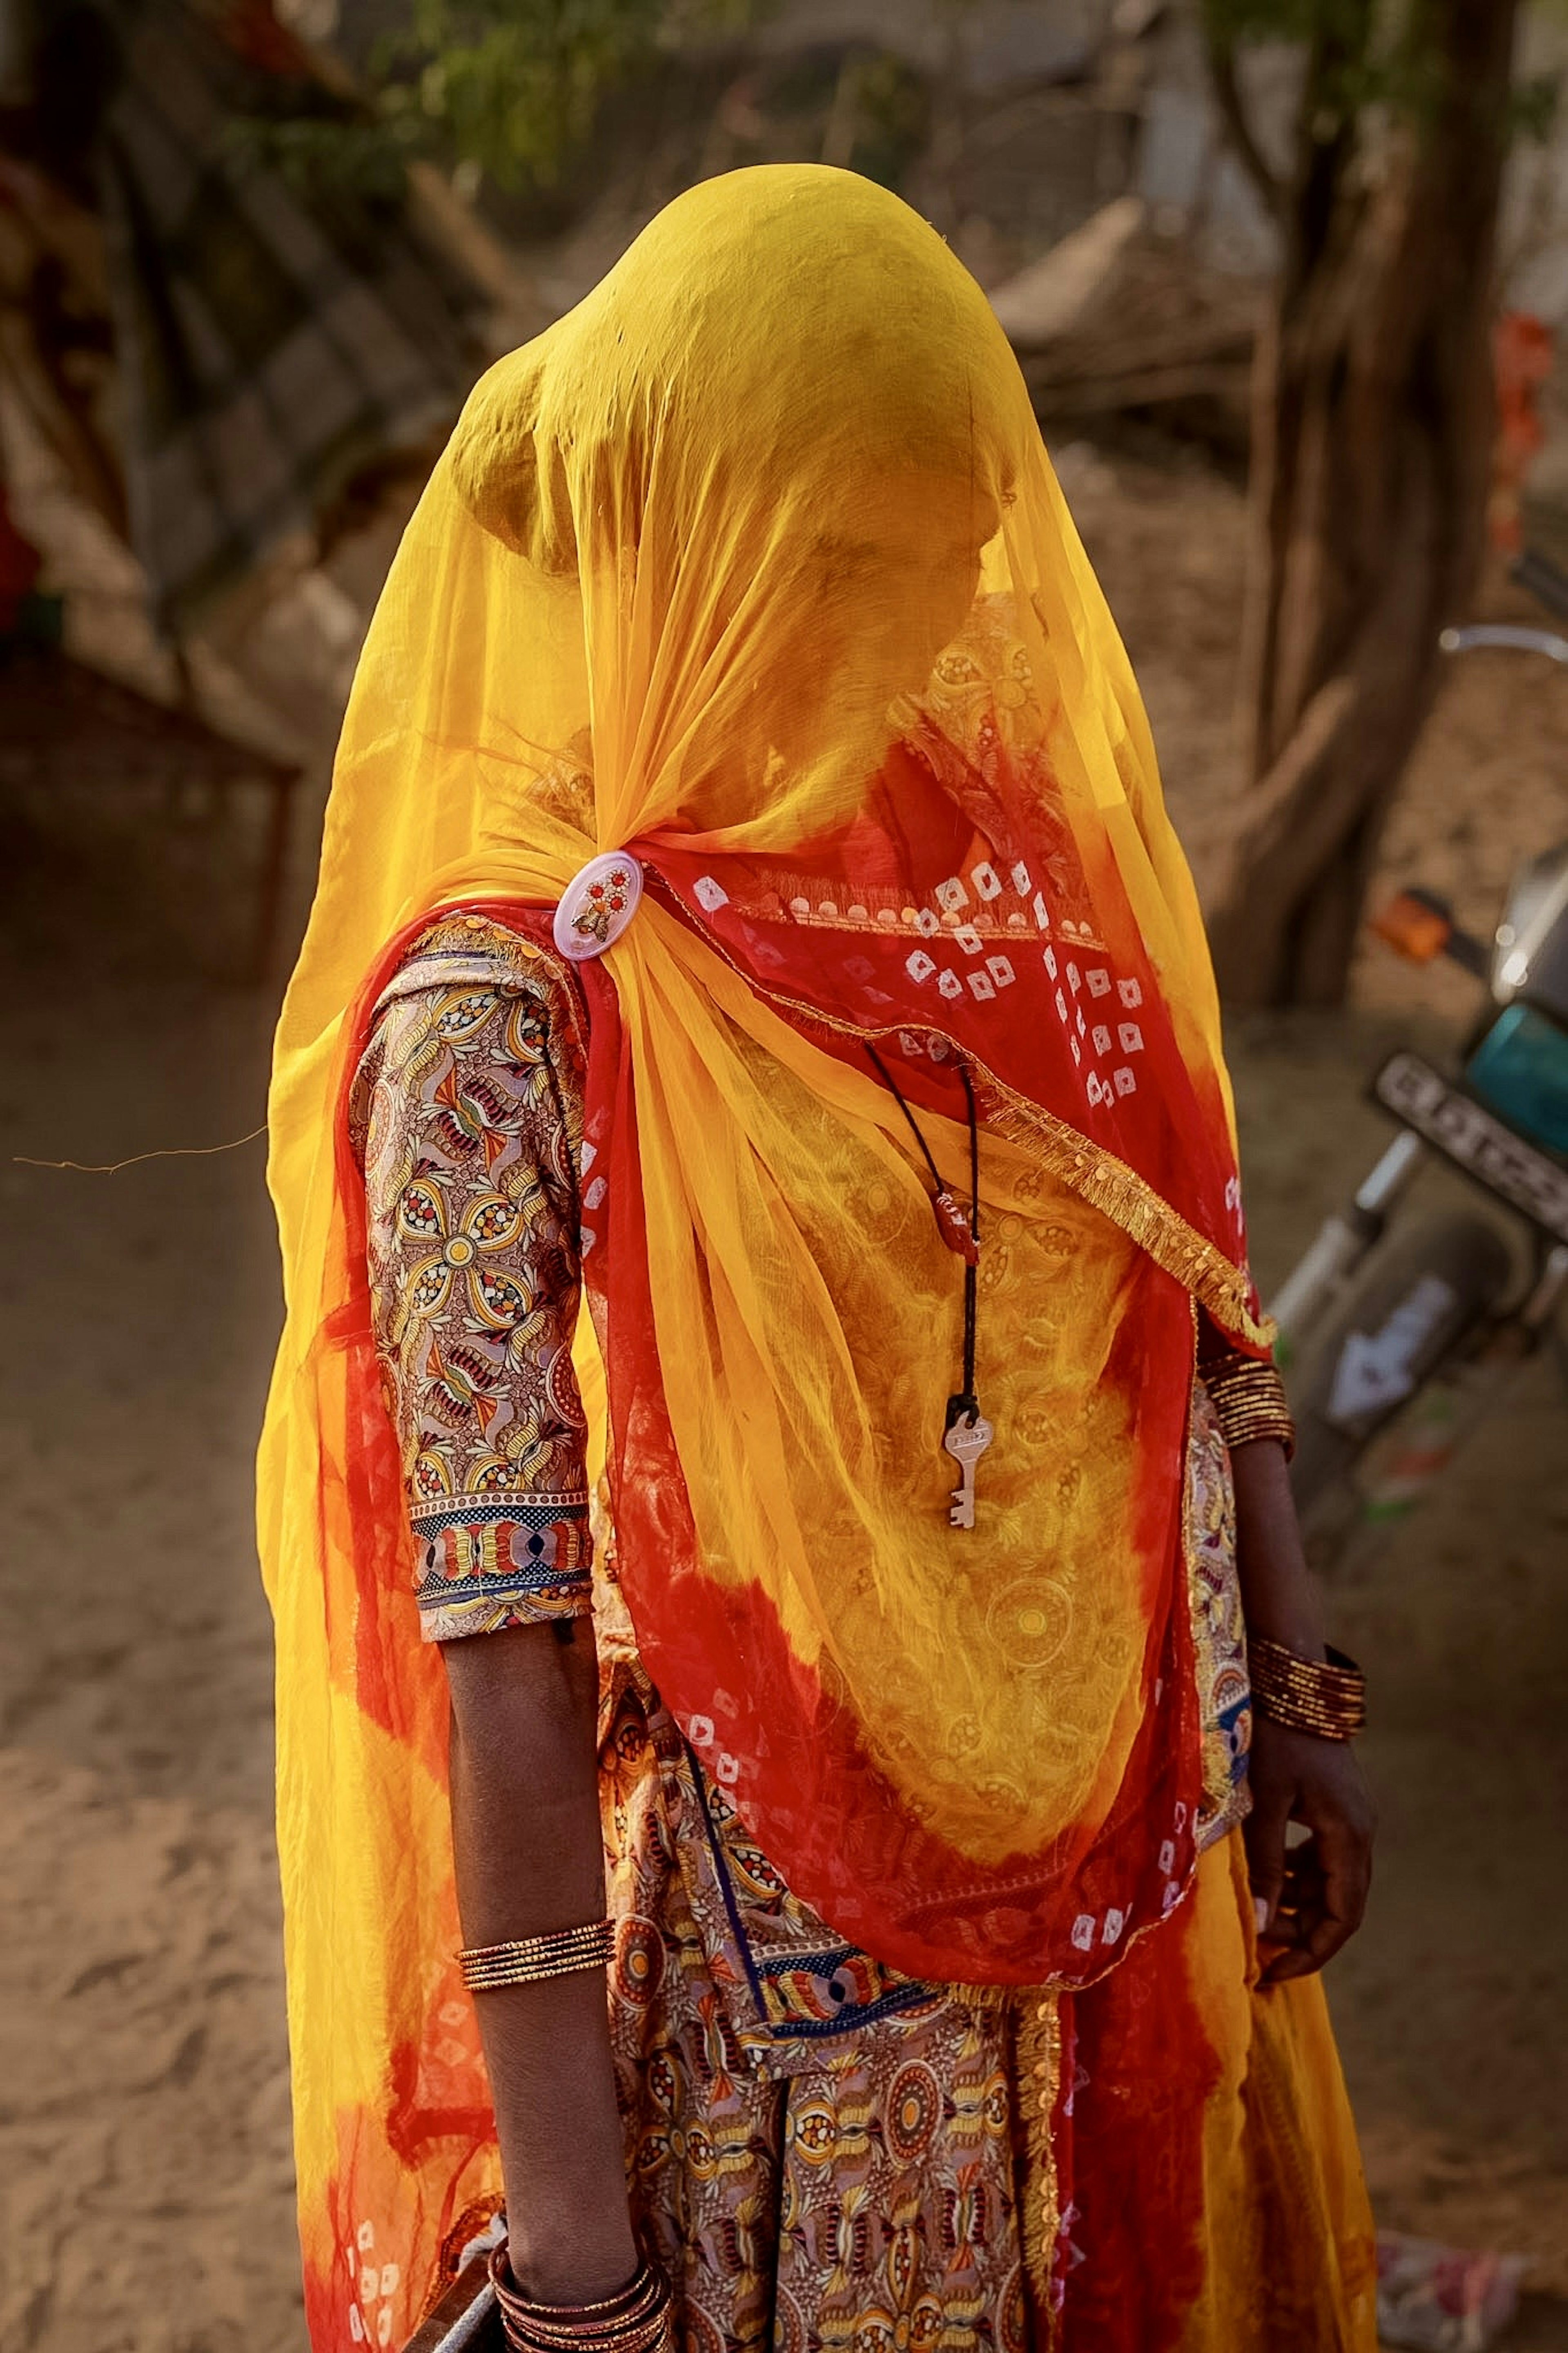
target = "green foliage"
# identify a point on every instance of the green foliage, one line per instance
(1536, 106)
(328, 159)
(1354, 46)
(506, 87)
(1362, 55)
(510, 86)
(890, 111)
(1347, 21)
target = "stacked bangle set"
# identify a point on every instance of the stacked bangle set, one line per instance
(637, 2320)
(528, 1958)
(1248, 1397)
(1308, 1694)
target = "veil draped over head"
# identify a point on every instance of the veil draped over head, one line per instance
(754, 566)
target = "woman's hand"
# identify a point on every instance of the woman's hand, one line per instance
(1310, 1897)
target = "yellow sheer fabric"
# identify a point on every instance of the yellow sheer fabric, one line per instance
(713, 524)
(768, 500)
(1289, 2254)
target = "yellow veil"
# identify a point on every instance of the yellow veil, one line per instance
(754, 565)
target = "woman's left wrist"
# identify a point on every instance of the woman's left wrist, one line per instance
(1325, 1698)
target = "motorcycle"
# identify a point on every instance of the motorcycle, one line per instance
(1396, 1338)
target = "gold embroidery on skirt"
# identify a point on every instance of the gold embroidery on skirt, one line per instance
(1039, 2067)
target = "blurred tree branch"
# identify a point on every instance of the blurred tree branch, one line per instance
(1238, 127)
(1372, 444)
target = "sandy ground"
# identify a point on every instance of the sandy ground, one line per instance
(144, 2131)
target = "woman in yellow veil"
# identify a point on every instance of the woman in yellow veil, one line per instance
(747, 902)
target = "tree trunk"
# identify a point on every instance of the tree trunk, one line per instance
(1372, 448)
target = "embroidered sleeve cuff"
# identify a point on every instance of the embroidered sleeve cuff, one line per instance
(485, 1562)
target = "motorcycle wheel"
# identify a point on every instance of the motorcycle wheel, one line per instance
(1443, 1278)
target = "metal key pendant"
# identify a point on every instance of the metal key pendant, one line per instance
(966, 1441)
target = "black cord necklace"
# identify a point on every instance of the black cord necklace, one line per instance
(966, 1434)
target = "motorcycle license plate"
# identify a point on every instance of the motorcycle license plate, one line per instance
(1476, 1142)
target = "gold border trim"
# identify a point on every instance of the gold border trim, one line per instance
(1136, 1208)
(1039, 2055)
(1086, 1168)
(1099, 1177)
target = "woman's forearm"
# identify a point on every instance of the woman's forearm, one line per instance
(1280, 1599)
(530, 1860)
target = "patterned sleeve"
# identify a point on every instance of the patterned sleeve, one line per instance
(467, 1117)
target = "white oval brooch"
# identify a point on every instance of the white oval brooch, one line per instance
(597, 904)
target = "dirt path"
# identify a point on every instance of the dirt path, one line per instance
(1449, 2005)
(144, 2132)
(143, 2096)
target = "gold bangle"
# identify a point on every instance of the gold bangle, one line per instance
(1252, 1429)
(1327, 1698)
(636, 2320)
(1249, 1401)
(526, 1960)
